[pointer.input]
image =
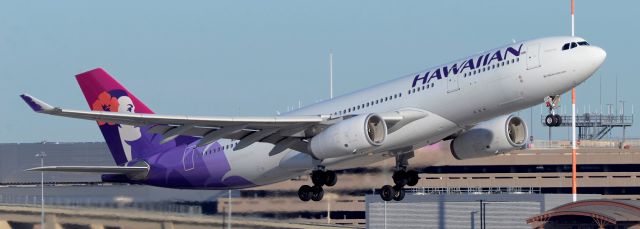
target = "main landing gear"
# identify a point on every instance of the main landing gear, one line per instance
(552, 119)
(319, 178)
(401, 177)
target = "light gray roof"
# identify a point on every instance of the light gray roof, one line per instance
(612, 211)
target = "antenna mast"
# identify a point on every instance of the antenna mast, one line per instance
(330, 74)
(574, 184)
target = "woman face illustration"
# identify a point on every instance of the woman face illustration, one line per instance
(126, 105)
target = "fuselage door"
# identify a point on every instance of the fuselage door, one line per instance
(188, 158)
(452, 84)
(533, 56)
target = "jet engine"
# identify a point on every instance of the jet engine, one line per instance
(489, 138)
(349, 136)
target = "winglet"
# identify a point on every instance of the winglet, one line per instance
(36, 104)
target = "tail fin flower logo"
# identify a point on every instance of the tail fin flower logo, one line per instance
(105, 102)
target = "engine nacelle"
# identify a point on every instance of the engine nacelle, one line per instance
(489, 138)
(349, 136)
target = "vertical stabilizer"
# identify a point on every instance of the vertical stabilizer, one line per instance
(104, 93)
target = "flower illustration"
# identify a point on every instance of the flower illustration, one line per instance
(105, 102)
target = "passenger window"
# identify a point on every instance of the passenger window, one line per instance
(565, 46)
(573, 45)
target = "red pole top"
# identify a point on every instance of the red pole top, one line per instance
(572, 5)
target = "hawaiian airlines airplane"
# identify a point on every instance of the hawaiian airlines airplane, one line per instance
(468, 101)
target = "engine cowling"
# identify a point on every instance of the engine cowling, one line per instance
(349, 136)
(489, 138)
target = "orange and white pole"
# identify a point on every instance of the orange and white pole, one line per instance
(574, 182)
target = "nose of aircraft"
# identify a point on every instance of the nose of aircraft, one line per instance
(598, 55)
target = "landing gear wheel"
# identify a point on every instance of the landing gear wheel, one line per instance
(399, 193)
(304, 193)
(412, 177)
(400, 178)
(550, 120)
(317, 193)
(331, 178)
(387, 193)
(558, 119)
(318, 177)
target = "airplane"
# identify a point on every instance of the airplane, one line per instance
(468, 101)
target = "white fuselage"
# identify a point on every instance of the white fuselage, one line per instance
(493, 85)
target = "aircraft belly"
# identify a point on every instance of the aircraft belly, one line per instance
(254, 164)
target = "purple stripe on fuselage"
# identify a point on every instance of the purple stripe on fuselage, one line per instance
(180, 164)
(192, 169)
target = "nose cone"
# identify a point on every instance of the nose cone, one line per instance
(598, 55)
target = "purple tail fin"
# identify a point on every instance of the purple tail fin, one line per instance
(126, 143)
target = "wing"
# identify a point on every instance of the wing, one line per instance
(283, 131)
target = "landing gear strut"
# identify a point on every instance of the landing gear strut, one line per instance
(319, 178)
(401, 177)
(552, 119)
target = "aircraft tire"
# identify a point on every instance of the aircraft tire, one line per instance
(398, 193)
(317, 193)
(331, 178)
(400, 178)
(387, 193)
(558, 120)
(318, 178)
(550, 120)
(304, 193)
(413, 177)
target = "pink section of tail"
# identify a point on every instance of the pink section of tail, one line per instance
(96, 84)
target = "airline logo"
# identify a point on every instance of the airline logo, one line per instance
(467, 65)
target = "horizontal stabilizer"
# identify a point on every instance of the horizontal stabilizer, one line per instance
(133, 172)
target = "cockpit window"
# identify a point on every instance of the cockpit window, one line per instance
(581, 43)
(573, 45)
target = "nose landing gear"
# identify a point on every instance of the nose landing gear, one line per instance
(552, 103)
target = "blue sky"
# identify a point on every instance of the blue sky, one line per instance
(256, 57)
